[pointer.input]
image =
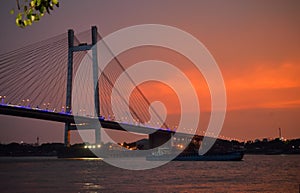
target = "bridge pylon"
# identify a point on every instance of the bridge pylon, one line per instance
(71, 50)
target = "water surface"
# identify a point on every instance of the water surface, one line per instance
(257, 173)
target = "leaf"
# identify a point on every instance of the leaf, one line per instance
(32, 18)
(19, 16)
(42, 9)
(29, 22)
(39, 2)
(37, 18)
(17, 21)
(28, 16)
(32, 3)
(32, 10)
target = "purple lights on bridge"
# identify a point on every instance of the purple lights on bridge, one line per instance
(63, 112)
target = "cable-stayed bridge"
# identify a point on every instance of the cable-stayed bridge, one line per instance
(37, 81)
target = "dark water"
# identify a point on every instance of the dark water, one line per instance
(256, 173)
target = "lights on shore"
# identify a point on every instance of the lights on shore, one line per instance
(180, 146)
(92, 146)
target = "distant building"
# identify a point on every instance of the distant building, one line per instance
(265, 140)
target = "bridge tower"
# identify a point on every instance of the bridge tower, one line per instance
(71, 50)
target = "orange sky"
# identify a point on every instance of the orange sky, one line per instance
(255, 43)
(261, 96)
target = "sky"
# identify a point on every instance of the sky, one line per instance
(255, 43)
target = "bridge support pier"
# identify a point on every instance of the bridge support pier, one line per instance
(69, 85)
(95, 82)
(97, 135)
(67, 137)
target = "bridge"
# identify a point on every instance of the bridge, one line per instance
(36, 81)
(157, 136)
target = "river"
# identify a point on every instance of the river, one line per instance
(256, 173)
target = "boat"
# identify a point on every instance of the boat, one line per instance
(225, 156)
(228, 156)
(161, 155)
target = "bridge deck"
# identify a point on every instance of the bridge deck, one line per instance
(92, 122)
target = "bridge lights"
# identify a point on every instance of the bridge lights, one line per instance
(46, 106)
(2, 99)
(158, 124)
(27, 101)
(67, 110)
(23, 103)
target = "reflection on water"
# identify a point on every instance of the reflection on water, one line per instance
(254, 174)
(90, 187)
(86, 158)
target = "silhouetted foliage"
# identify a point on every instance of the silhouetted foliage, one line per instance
(29, 11)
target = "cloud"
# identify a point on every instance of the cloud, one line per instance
(264, 86)
(262, 76)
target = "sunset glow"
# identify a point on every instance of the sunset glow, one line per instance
(255, 44)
